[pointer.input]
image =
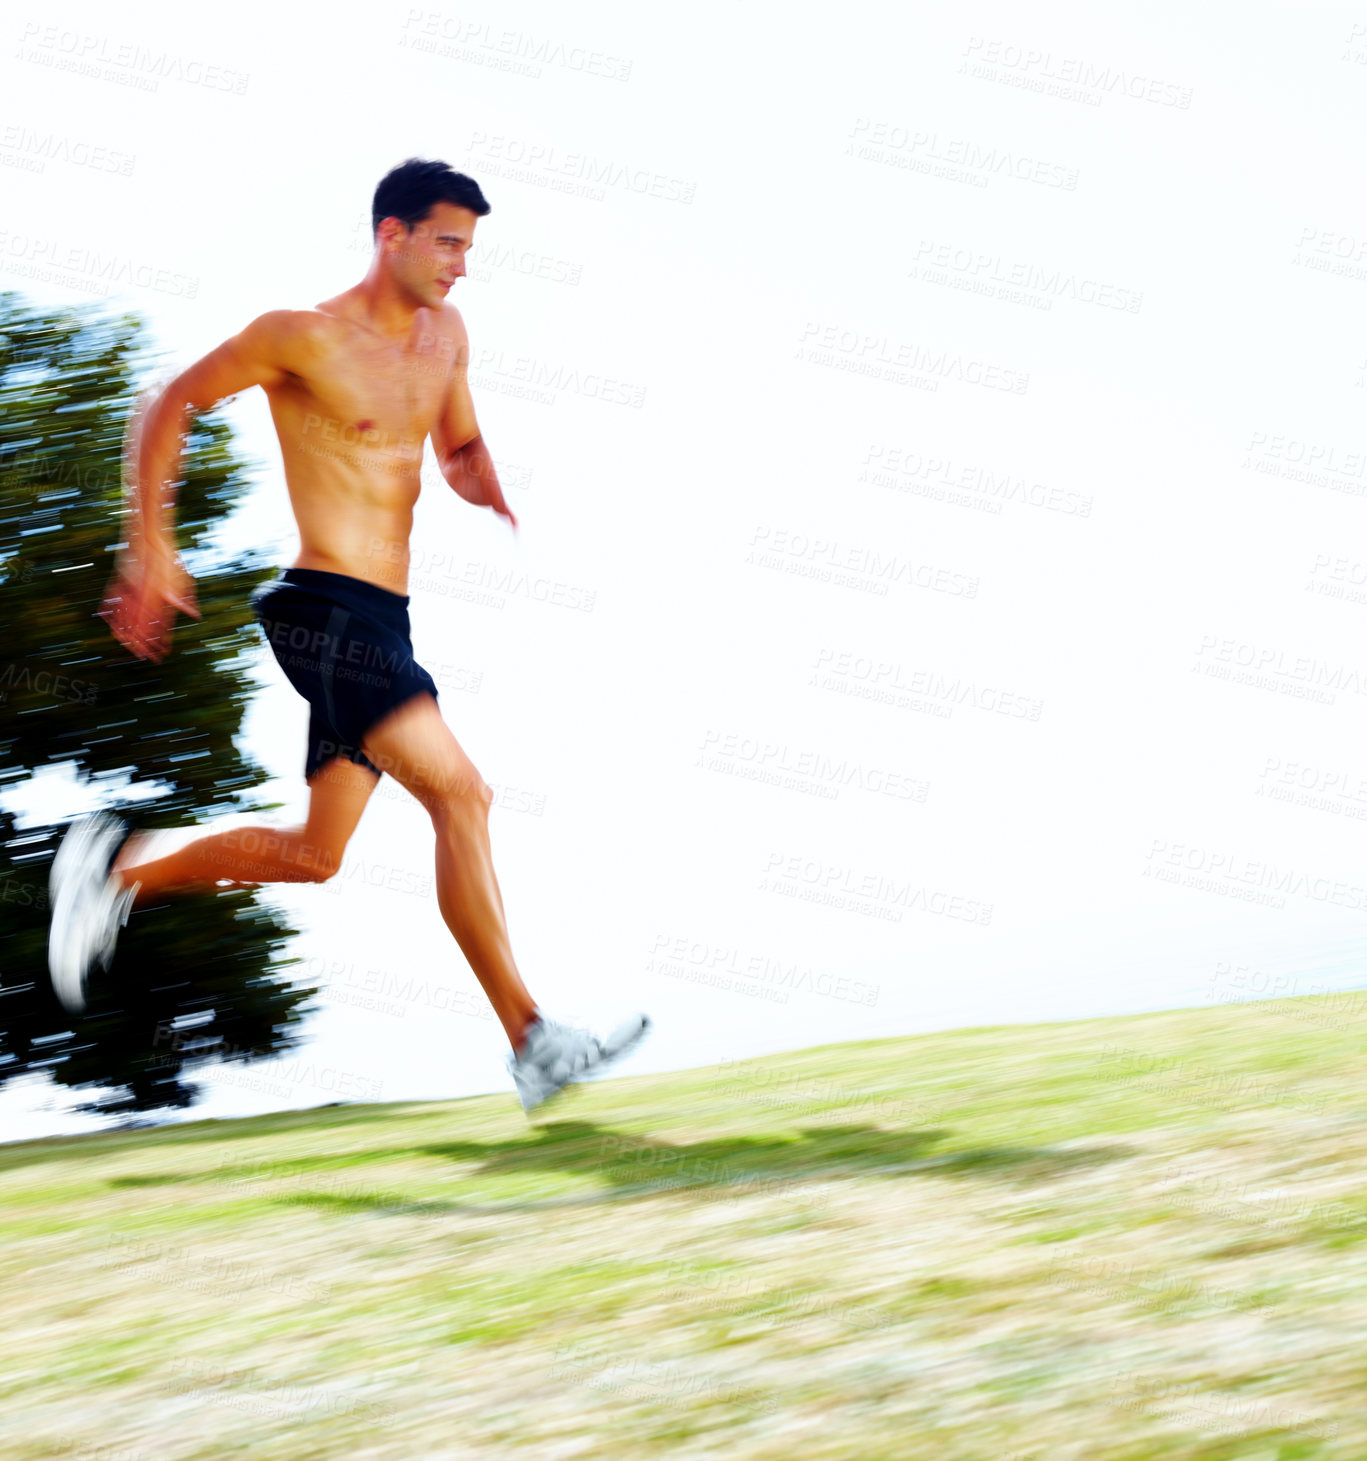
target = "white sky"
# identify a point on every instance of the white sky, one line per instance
(776, 191)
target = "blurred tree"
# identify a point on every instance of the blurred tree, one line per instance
(72, 696)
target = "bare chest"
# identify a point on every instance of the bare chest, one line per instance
(397, 388)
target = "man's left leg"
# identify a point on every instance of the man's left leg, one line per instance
(92, 896)
(247, 855)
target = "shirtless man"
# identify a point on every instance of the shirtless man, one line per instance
(355, 387)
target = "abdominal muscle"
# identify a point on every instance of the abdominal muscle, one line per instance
(357, 527)
(353, 505)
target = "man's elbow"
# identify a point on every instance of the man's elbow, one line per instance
(168, 414)
(459, 455)
(463, 485)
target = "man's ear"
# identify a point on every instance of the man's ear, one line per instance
(390, 229)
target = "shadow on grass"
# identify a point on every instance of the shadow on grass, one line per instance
(631, 1167)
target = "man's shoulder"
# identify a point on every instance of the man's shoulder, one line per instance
(292, 338)
(452, 320)
(297, 323)
(456, 340)
(291, 325)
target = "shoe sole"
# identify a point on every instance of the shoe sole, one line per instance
(79, 871)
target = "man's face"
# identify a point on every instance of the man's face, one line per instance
(426, 261)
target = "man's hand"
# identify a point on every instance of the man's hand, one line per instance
(142, 598)
(496, 500)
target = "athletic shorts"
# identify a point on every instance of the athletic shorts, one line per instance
(344, 645)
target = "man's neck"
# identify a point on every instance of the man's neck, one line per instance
(378, 308)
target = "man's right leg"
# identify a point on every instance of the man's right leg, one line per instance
(416, 747)
(248, 855)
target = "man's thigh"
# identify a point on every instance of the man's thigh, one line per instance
(338, 793)
(415, 746)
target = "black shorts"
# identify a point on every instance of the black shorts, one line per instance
(344, 645)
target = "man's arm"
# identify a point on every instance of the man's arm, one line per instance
(254, 357)
(149, 581)
(461, 453)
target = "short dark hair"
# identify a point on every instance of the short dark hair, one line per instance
(407, 192)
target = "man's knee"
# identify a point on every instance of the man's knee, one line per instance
(312, 859)
(461, 794)
(320, 862)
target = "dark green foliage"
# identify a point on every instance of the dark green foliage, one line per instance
(71, 695)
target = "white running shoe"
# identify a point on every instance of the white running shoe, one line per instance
(88, 907)
(554, 1055)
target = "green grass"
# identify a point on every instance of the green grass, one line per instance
(1110, 1240)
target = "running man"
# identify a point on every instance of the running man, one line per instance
(355, 387)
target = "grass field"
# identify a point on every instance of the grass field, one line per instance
(1127, 1238)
